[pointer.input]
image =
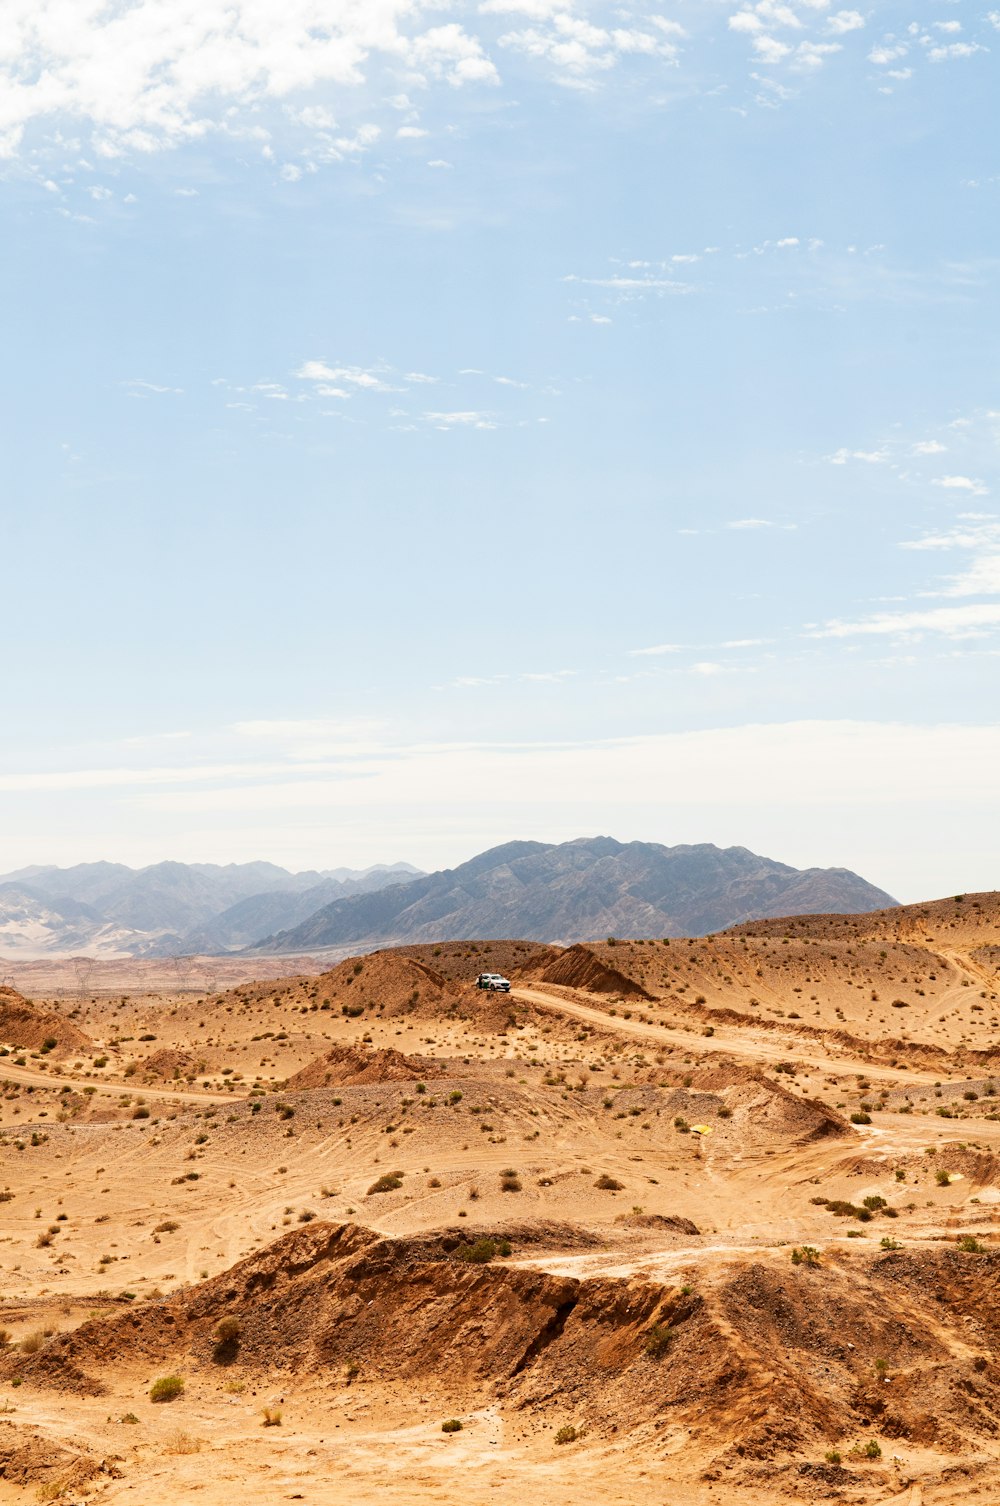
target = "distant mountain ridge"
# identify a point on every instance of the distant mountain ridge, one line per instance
(580, 890)
(539, 891)
(110, 909)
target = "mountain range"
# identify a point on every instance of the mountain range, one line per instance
(109, 909)
(559, 892)
(576, 891)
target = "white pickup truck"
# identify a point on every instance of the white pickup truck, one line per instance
(495, 982)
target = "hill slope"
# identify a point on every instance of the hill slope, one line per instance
(581, 889)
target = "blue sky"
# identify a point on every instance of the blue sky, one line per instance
(426, 425)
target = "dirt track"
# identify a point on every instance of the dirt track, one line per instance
(744, 1042)
(111, 1089)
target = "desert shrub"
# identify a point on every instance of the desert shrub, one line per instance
(832, 1457)
(453, 1425)
(869, 1450)
(391, 1181)
(862, 1117)
(480, 1253)
(874, 1203)
(166, 1388)
(510, 1182)
(32, 1342)
(608, 1184)
(227, 1330)
(180, 1442)
(306, 1216)
(271, 1417)
(167, 1227)
(658, 1340)
(567, 1434)
(805, 1255)
(942, 1177)
(888, 1243)
(971, 1245)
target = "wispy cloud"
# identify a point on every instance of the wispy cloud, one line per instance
(954, 622)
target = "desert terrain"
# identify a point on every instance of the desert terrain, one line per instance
(677, 1221)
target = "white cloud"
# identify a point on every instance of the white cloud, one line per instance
(954, 50)
(366, 379)
(146, 74)
(845, 21)
(809, 55)
(962, 484)
(746, 20)
(869, 457)
(633, 285)
(979, 534)
(656, 651)
(770, 50)
(464, 419)
(887, 52)
(411, 133)
(576, 49)
(953, 622)
(751, 523)
(137, 384)
(929, 447)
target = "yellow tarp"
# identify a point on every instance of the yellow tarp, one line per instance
(701, 1129)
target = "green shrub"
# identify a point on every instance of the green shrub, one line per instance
(451, 1426)
(805, 1255)
(228, 1330)
(167, 1388)
(861, 1117)
(971, 1245)
(391, 1181)
(658, 1340)
(483, 1251)
(608, 1184)
(567, 1434)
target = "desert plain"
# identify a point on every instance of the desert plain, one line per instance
(675, 1221)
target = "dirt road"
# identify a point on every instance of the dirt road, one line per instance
(113, 1089)
(730, 1043)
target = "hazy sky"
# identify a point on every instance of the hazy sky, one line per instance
(427, 424)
